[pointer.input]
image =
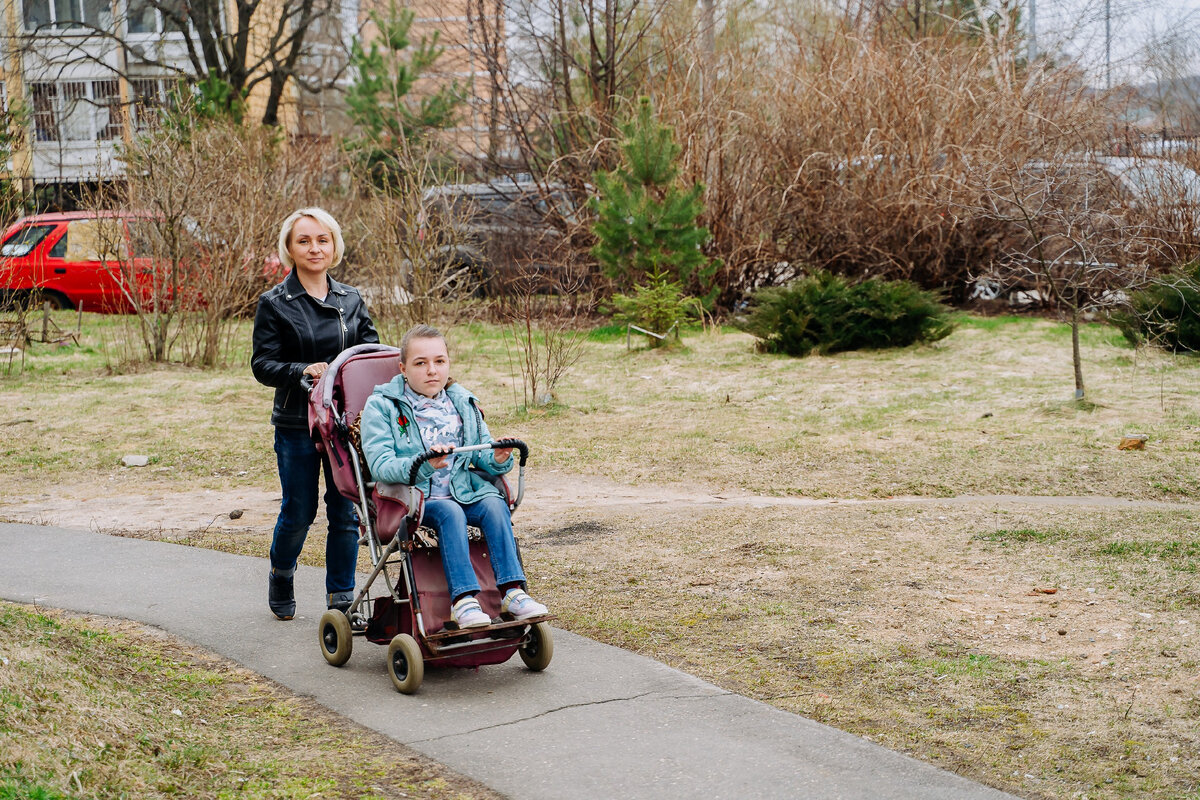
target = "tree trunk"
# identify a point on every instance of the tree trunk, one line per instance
(1076, 359)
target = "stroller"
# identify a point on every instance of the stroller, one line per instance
(412, 616)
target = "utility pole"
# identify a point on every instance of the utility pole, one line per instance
(1033, 48)
(1107, 44)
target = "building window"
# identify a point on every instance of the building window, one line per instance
(107, 96)
(76, 111)
(66, 14)
(155, 16)
(45, 118)
(148, 97)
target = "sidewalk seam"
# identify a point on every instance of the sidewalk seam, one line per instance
(549, 711)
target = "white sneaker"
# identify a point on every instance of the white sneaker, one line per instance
(468, 614)
(519, 605)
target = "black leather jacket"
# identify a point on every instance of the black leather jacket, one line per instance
(293, 330)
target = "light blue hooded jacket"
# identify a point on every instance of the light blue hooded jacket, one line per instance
(391, 442)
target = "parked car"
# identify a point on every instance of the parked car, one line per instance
(81, 260)
(498, 230)
(59, 259)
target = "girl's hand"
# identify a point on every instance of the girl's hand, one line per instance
(440, 461)
(501, 454)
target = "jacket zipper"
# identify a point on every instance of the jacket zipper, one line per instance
(342, 320)
(403, 406)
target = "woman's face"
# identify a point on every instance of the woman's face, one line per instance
(426, 366)
(311, 246)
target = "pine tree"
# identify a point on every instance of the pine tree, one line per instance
(645, 222)
(378, 99)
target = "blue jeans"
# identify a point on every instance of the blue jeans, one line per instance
(300, 467)
(450, 520)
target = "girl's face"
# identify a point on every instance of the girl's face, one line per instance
(426, 366)
(311, 246)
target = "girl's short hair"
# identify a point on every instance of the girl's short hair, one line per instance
(321, 216)
(419, 331)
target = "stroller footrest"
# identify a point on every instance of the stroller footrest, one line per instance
(497, 625)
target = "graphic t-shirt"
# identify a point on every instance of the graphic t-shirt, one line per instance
(439, 423)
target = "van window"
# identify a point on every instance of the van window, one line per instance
(24, 240)
(91, 240)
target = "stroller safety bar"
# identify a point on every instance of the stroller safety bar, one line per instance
(502, 444)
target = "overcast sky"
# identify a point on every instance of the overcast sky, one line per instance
(1136, 28)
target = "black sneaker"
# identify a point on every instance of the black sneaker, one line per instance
(280, 596)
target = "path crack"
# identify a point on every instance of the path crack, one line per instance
(567, 707)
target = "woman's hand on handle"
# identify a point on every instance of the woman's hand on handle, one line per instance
(315, 371)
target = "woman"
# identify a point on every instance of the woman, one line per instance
(421, 409)
(300, 326)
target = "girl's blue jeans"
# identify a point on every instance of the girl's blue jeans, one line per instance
(450, 519)
(300, 467)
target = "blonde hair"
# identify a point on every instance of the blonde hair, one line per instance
(325, 219)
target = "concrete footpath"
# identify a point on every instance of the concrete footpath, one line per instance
(599, 723)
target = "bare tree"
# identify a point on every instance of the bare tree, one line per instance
(1086, 242)
(210, 195)
(403, 253)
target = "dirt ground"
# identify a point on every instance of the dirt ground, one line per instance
(950, 617)
(558, 495)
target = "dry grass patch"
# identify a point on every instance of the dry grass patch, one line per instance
(106, 709)
(986, 411)
(925, 627)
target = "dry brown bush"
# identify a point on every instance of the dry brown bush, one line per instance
(403, 256)
(213, 197)
(863, 149)
(855, 153)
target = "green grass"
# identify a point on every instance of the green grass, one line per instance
(1022, 535)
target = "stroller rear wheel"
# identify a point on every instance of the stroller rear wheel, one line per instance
(405, 665)
(337, 639)
(537, 652)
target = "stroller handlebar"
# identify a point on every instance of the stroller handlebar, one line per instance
(500, 444)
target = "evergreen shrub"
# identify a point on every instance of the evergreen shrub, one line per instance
(824, 313)
(1165, 314)
(657, 305)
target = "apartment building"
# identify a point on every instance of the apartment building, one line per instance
(83, 90)
(93, 72)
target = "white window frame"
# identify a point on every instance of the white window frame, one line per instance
(77, 106)
(53, 25)
(160, 30)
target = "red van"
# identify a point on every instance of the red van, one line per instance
(80, 259)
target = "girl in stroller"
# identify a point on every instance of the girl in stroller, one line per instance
(423, 409)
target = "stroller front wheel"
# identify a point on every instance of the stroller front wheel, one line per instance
(337, 639)
(405, 665)
(537, 652)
